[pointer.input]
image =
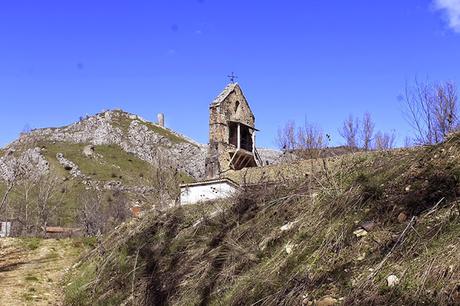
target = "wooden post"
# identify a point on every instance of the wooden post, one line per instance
(254, 142)
(239, 136)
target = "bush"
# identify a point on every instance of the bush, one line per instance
(31, 243)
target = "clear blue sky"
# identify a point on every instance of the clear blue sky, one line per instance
(322, 60)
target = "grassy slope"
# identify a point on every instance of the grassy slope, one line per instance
(242, 257)
(111, 163)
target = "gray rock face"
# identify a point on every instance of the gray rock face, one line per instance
(68, 165)
(29, 163)
(133, 134)
(270, 156)
(88, 150)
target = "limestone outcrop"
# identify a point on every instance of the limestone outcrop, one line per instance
(150, 142)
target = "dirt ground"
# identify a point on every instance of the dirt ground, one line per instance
(31, 269)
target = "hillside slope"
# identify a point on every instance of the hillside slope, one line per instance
(131, 133)
(380, 228)
(54, 172)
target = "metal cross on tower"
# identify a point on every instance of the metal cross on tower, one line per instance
(232, 77)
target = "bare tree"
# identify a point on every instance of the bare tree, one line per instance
(286, 138)
(384, 141)
(432, 111)
(445, 108)
(310, 140)
(164, 178)
(48, 199)
(349, 132)
(367, 131)
(90, 213)
(408, 142)
(118, 210)
(305, 141)
(24, 203)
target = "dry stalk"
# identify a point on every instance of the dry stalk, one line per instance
(432, 210)
(134, 270)
(397, 243)
(425, 276)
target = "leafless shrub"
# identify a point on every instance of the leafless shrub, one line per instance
(367, 131)
(384, 141)
(305, 141)
(98, 217)
(350, 132)
(286, 138)
(432, 110)
(310, 140)
(90, 210)
(48, 199)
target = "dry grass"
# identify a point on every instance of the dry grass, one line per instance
(280, 244)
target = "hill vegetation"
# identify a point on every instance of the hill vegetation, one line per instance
(367, 229)
(70, 175)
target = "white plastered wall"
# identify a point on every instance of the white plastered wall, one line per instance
(201, 193)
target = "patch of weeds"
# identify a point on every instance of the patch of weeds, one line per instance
(28, 297)
(372, 189)
(52, 255)
(123, 260)
(90, 242)
(76, 293)
(31, 243)
(84, 242)
(31, 278)
(428, 189)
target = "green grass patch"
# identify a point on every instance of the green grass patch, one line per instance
(31, 278)
(75, 292)
(31, 243)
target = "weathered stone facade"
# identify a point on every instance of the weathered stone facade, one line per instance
(231, 133)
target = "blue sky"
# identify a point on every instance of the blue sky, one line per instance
(320, 60)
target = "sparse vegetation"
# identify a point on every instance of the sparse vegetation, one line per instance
(298, 241)
(431, 110)
(55, 199)
(337, 228)
(306, 141)
(31, 243)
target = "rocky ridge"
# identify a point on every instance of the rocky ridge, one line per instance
(148, 141)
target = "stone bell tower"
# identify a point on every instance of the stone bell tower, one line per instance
(231, 133)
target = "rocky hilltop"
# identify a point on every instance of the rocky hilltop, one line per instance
(146, 140)
(93, 170)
